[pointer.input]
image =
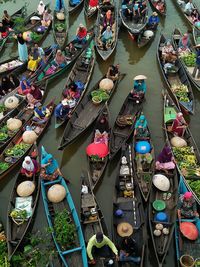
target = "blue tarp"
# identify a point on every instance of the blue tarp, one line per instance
(59, 5)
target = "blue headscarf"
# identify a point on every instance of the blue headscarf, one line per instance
(50, 169)
(141, 122)
(22, 84)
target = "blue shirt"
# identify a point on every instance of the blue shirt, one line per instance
(61, 111)
(154, 20)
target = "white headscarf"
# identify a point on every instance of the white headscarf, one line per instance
(41, 8)
(28, 166)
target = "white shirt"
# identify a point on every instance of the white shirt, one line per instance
(189, 7)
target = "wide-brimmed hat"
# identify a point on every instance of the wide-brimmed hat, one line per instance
(139, 77)
(124, 160)
(35, 18)
(124, 229)
(155, 14)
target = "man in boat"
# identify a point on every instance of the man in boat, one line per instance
(187, 207)
(143, 8)
(189, 7)
(136, 12)
(128, 248)
(184, 43)
(101, 243)
(128, 9)
(81, 34)
(3, 31)
(93, 6)
(197, 66)
(165, 160)
(113, 72)
(139, 87)
(7, 20)
(41, 114)
(179, 125)
(160, 5)
(153, 22)
(62, 110)
(47, 18)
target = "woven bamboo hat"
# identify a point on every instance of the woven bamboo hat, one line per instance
(124, 229)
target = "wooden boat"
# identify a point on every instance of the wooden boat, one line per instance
(73, 8)
(153, 3)
(60, 35)
(175, 80)
(10, 65)
(181, 9)
(96, 167)
(92, 219)
(101, 49)
(124, 124)
(170, 112)
(89, 13)
(79, 49)
(79, 73)
(162, 243)
(176, 36)
(142, 40)
(7, 160)
(144, 171)
(4, 249)
(131, 26)
(17, 229)
(185, 246)
(127, 197)
(76, 255)
(196, 35)
(86, 113)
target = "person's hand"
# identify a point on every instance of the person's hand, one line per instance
(117, 258)
(93, 262)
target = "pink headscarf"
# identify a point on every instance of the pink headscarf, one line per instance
(187, 195)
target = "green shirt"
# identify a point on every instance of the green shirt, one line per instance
(106, 242)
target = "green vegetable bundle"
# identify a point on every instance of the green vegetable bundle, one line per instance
(3, 166)
(35, 37)
(189, 59)
(2, 108)
(17, 150)
(101, 94)
(195, 186)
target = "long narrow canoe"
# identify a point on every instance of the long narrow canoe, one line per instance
(79, 73)
(176, 36)
(185, 246)
(105, 53)
(16, 230)
(189, 174)
(85, 114)
(88, 12)
(92, 219)
(12, 64)
(124, 124)
(60, 28)
(76, 255)
(131, 26)
(70, 60)
(144, 171)
(154, 3)
(96, 167)
(74, 7)
(7, 160)
(162, 243)
(127, 197)
(196, 35)
(176, 79)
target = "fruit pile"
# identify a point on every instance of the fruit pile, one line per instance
(189, 59)
(99, 96)
(181, 92)
(17, 150)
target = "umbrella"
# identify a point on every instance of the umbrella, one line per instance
(100, 150)
(35, 18)
(139, 77)
(189, 230)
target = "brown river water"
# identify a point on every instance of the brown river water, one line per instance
(133, 61)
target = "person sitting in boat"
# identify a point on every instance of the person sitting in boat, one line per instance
(160, 5)
(34, 96)
(71, 91)
(136, 12)
(13, 81)
(47, 18)
(49, 168)
(24, 87)
(165, 160)
(29, 167)
(60, 60)
(7, 20)
(103, 244)
(8, 84)
(62, 110)
(34, 60)
(107, 21)
(128, 248)
(128, 10)
(141, 127)
(168, 53)
(70, 51)
(189, 7)
(81, 34)
(184, 43)
(179, 125)
(107, 2)
(113, 72)
(143, 8)
(41, 8)
(3, 31)
(187, 207)
(196, 70)
(153, 21)
(195, 16)
(139, 87)
(106, 38)
(93, 5)
(41, 114)
(40, 50)
(143, 161)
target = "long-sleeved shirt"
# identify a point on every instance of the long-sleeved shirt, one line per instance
(106, 242)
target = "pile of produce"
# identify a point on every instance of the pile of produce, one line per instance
(60, 27)
(4, 166)
(2, 108)
(3, 133)
(181, 91)
(195, 186)
(189, 59)
(3, 249)
(17, 150)
(99, 96)
(186, 160)
(35, 37)
(19, 215)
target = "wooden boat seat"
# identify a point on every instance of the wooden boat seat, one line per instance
(120, 134)
(77, 127)
(87, 201)
(90, 221)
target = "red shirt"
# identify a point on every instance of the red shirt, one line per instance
(82, 33)
(93, 3)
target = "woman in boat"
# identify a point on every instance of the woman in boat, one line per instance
(197, 63)
(3, 31)
(41, 8)
(141, 127)
(13, 81)
(184, 43)
(107, 21)
(81, 34)
(24, 87)
(103, 244)
(7, 20)
(143, 8)
(50, 168)
(195, 16)
(34, 60)
(8, 84)
(128, 11)
(113, 72)
(187, 207)
(29, 167)
(70, 51)
(22, 47)
(139, 87)
(34, 96)
(41, 114)
(179, 125)
(168, 53)
(153, 21)
(160, 5)
(60, 59)
(71, 91)
(47, 18)
(165, 160)
(62, 110)
(93, 5)
(106, 38)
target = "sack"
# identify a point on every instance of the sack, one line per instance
(80, 85)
